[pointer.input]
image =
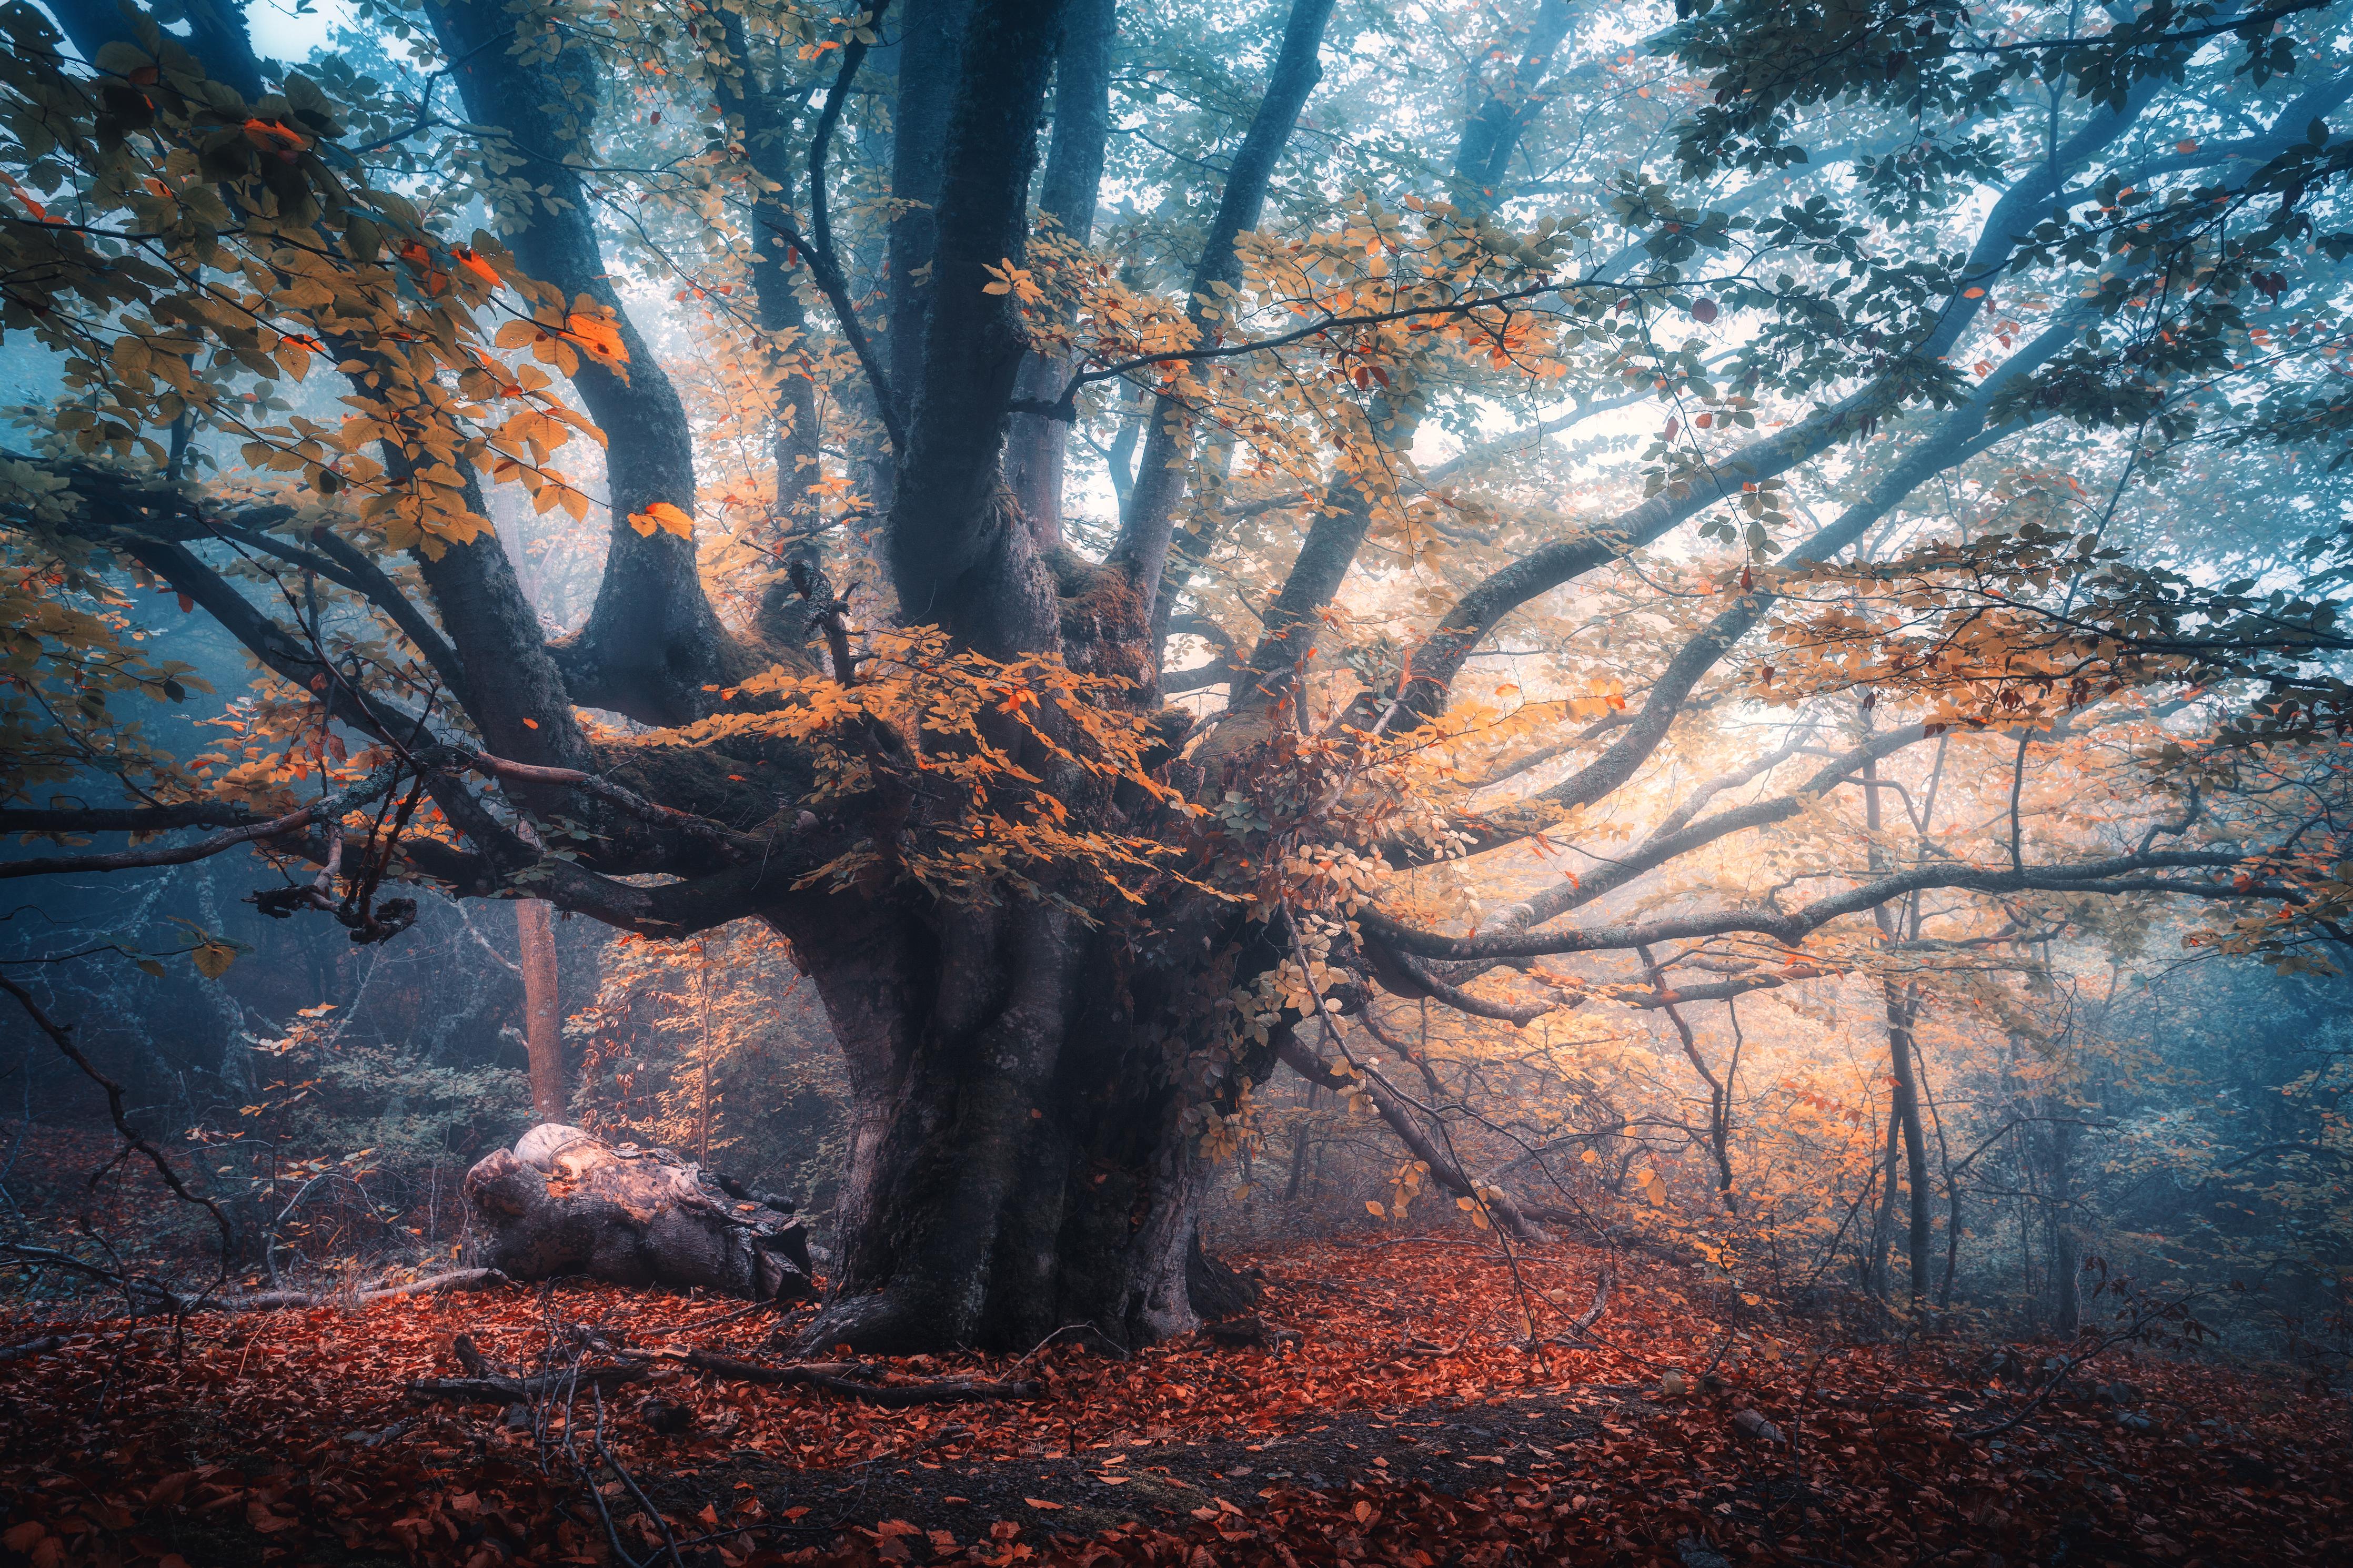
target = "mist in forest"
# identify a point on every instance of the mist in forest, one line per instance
(1604, 747)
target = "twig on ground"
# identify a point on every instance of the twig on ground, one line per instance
(670, 1542)
(133, 1287)
(1117, 1348)
(612, 1531)
(2134, 1329)
(456, 1280)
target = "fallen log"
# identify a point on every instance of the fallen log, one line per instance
(147, 1294)
(824, 1375)
(33, 1347)
(456, 1280)
(563, 1200)
(495, 1390)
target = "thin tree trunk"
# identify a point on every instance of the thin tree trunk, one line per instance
(768, 118)
(543, 1015)
(1901, 1013)
(1883, 1223)
(1299, 1144)
(2067, 1246)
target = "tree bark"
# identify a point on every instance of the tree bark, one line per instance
(542, 1015)
(1023, 1155)
(930, 62)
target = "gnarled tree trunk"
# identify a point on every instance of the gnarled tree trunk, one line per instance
(1022, 1157)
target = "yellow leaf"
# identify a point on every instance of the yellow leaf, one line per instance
(212, 959)
(1375, 1209)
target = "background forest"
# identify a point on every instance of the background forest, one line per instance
(1734, 608)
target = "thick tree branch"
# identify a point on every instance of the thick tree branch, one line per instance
(825, 262)
(327, 811)
(956, 557)
(1439, 658)
(1068, 194)
(652, 642)
(2112, 874)
(130, 819)
(1142, 550)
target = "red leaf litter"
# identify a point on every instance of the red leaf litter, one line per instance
(1394, 1413)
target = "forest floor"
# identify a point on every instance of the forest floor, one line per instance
(1392, 1413)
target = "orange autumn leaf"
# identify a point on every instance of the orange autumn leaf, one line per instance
(21, 195)
(473, 263)
(264, 132)
(598, 335)
(663, 515)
